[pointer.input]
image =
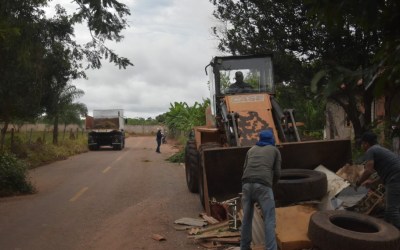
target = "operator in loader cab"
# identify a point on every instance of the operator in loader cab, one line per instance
(239, 86)
(261, 170)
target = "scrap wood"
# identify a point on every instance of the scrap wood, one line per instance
(214, 235)
(211, 220)
(191, 222)
(218, 226)
(351, 173)
(226, 240)
(158, 237)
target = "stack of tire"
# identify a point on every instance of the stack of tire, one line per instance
(297, 185)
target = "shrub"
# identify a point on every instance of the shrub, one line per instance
(178, 157)
(13, 176)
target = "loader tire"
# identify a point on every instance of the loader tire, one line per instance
(345, 230)
(201, 169)
(297, 185)
(191, 166)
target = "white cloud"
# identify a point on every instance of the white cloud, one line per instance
(170, 43)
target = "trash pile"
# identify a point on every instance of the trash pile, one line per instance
(302, 213)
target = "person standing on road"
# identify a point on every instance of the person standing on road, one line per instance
(387, 165)
(158, 139)
(262, 169)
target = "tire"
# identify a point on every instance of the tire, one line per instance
(201, 169)
(297, 185)
(191, 166)
(345, 230)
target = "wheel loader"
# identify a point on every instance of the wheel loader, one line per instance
(215, 153)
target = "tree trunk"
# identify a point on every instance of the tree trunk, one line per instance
(55, 130)
(3, 135)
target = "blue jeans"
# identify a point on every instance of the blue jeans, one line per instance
(392, 200)
(263, 195)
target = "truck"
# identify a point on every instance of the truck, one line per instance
(106, 129)
(215, 152)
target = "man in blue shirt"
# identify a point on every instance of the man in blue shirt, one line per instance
(387, 165)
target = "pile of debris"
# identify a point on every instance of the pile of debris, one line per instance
(292, 220)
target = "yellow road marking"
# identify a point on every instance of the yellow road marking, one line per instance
(83, 190)
(106, 169)
(109, 167)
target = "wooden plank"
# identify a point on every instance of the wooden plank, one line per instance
(214, 227)
(214, 235)
(191, 222)
(211, 220)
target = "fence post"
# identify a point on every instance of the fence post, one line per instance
(77, 133)
(30, 136)
(44, 135)
(12, 139)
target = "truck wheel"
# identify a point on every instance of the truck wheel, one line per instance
(345, 230)
(297, 185)
(201, 169)
(191, 166)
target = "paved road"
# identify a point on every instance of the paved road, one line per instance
(103, 200)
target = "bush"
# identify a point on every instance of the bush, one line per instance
(13, 176)
(178, 157)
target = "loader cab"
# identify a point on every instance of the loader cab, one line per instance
(257, 72)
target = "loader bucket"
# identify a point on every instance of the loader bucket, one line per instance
(223, 167)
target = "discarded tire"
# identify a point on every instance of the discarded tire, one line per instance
(191, 166)
(297, 185)
(345, 230)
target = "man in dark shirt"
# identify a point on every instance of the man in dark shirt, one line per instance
(261, 171)
(387, 165)
(239, 86)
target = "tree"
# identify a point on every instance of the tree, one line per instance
(303, 46)
(182, 118)
(61, 105)
(380, 19)
(29, 42)
(21, 51)
(72, 114)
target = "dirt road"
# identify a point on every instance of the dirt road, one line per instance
(103, 200)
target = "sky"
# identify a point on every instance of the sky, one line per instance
(169, 42)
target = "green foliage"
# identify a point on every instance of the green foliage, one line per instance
(13, 176)
(39, 55)
(143, 121)
(36, 151)
(178, 157)
(338, 42)
(182, 118)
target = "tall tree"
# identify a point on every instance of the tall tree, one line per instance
(376, 18)
(302, 44)
(21, 51)
(28, 39)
